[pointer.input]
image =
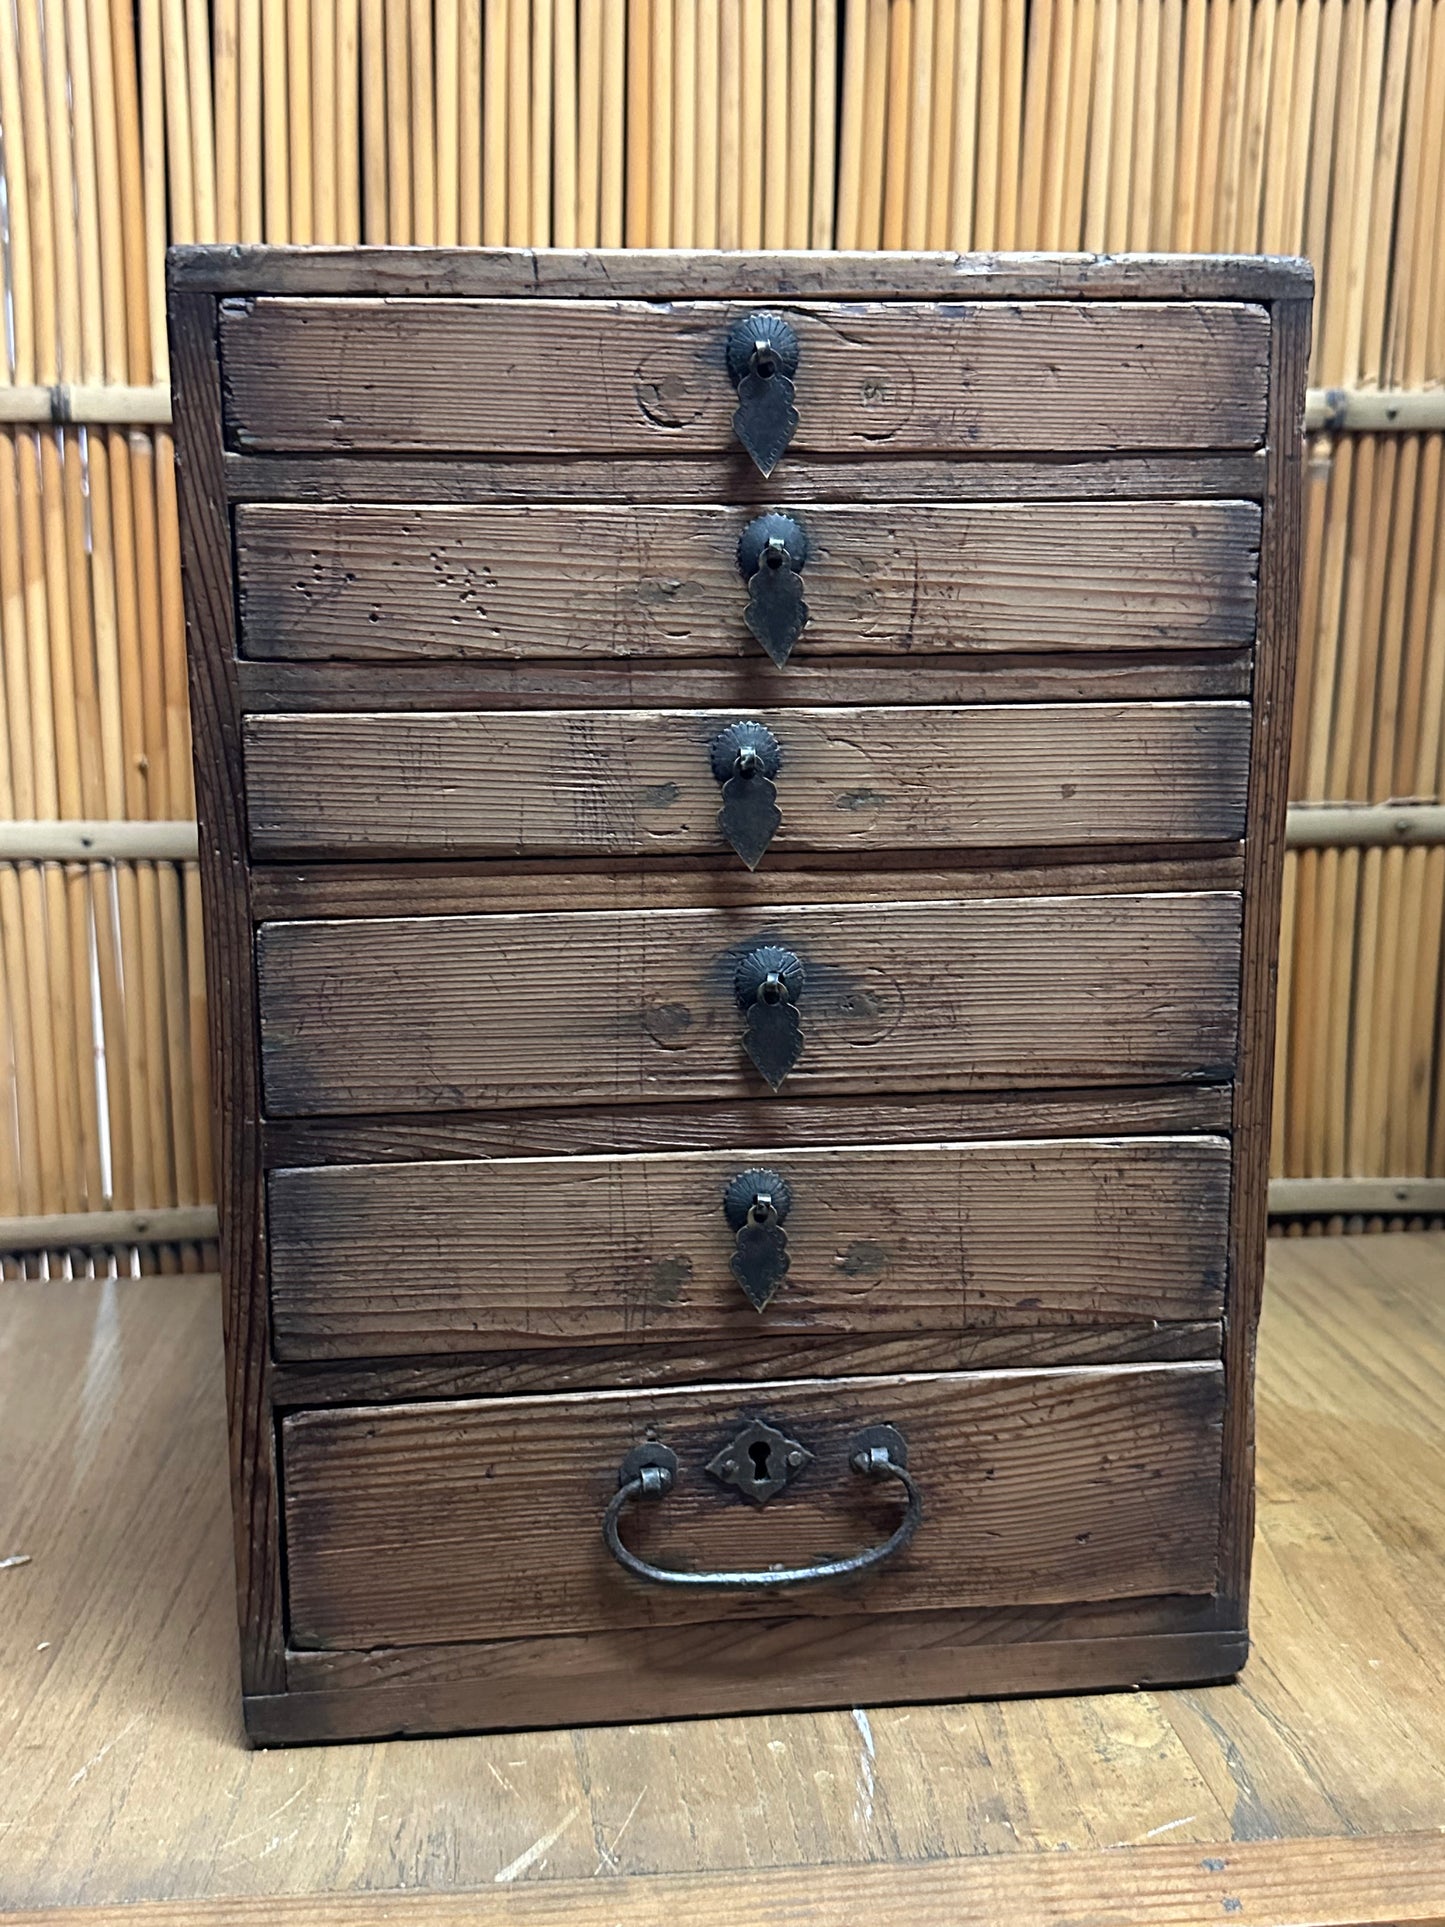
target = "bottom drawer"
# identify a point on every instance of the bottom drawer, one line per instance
(483, 1519)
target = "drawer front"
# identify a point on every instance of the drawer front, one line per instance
(482, 1519)
(873, 378)
(394, 1260)
(450, 1013)
(643, 782)
(363, 583)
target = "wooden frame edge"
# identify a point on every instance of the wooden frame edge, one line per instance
(225, 884)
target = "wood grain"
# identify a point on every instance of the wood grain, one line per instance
(124, 1778)
(388, 1260)
(667, 274)
(714, 476)
(364, 583)
(625, 682)
(1264, 859)
(1387, 1881)
(450, 1013)
(1080, 1484)
(469, 886)
(583, 782)
(1164, 1110)
(874, 379)
(225, 887)
(1047, 1339)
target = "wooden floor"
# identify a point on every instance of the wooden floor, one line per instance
(1312, 1790)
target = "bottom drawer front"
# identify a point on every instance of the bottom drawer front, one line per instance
(482, 1519)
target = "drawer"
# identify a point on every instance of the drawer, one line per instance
(357, 582)
(395, 1260)
(643, 782)
(482, 1519)
(595, 1007)
(508, 378)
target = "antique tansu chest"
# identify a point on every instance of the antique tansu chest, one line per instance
(741, 807)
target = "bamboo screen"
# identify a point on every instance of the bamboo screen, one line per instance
(1313, 126)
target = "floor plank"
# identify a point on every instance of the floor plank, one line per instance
(124, 1777)
(1293, 1883)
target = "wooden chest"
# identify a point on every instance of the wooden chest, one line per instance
(742, 805)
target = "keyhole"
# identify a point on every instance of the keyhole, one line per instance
(760, 1452)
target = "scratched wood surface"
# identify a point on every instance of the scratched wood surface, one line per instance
(364, 583)
(874, 379)
(446, 1013)
(479, 1519)
(679, 274)
(124, 1777)
(599, 782)
(387, 1260)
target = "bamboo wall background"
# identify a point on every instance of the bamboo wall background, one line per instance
(1313, 126)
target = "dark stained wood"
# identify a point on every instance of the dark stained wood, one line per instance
(764, 1642)
(1031, 1339)
(1163, 1109)
(225, 885)
(462, 888)
(1264, 858)
(724, 1671)
(641, 782)
(362, 583)
(447, 1013)
(118, 1640)
(546, 995)
(714, 476)
(1039, 1488)
(874, 379)
(307, 686)
(390, 1260)
(664, 274)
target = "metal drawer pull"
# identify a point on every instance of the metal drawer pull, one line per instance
(762, 358)
(649, 1472)
(768, 985)
(756, 1205)
(772, 553)
(745, 759)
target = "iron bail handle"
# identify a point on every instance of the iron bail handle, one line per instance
(649, 1472)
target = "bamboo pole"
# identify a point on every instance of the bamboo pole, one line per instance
(539, 226)
(469, 123)
(590, 96)
(799, 219)
(496, 68)
(325, 176)
(990, 101)
(298, 117)
(638, 172)
(686, 115)
(776, 147)
(709, 123)
(945, 75)
(660, 190)
(1101, 143)
(613, 132)
(821, 232)
(964, 182)
(752, 77)
(274, 95)
(875, 128)
(446, 113)
(1011, 107)
(394, 68)
(919, 125)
